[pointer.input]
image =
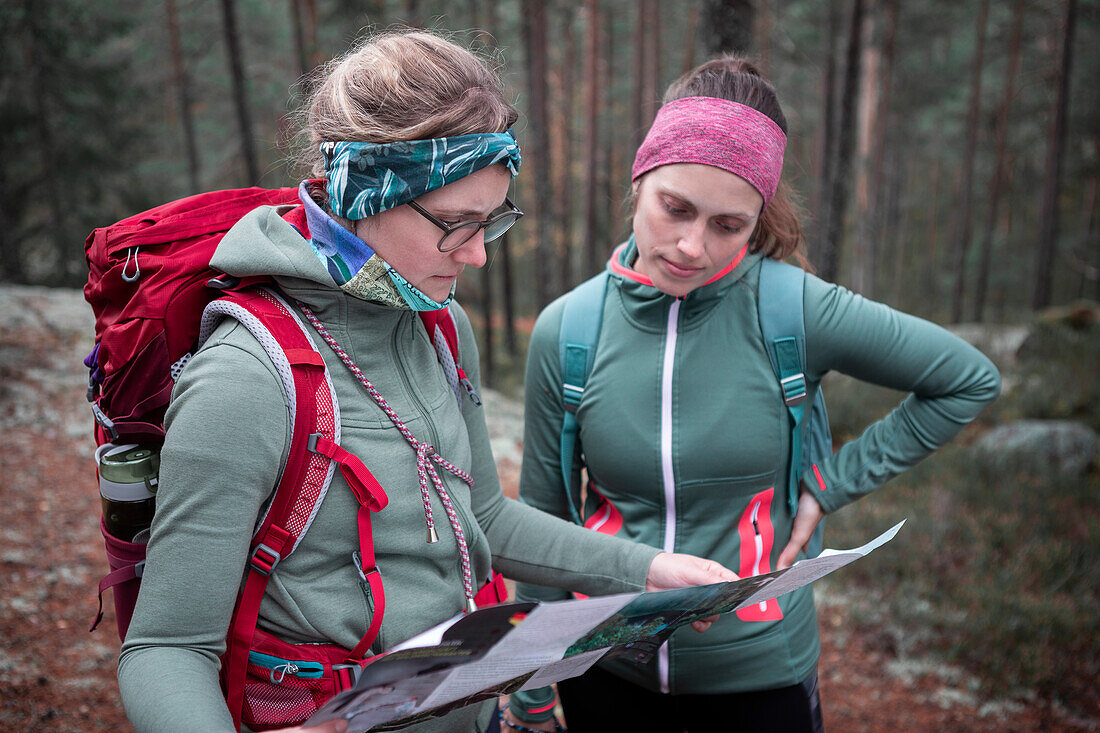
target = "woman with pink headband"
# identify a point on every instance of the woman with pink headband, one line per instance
(686, 433)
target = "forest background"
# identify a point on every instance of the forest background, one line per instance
(947, 156)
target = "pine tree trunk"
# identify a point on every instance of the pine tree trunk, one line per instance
(652, 66)
(564, 169)
(690, 34)
(1048, 219)
(592, 73)
(509, 296)
(488, 354)
(826, 139)
(763, 34)
(839, 186)
(58, 226)
(183, 90)
(867, 116)
(1001, 173)
(966, 183)
(240, 93)
(638, 108)
(728, 26)
(11, 253)
(414, 14)
(534, 31)
(875, 104)
(884, 118)
(299, 37)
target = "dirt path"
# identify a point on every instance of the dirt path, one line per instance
(55, 676)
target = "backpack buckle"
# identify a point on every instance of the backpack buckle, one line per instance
(104, 422)
(347, 673)
(223, 282)
(264, 559)
(469, 387)
(794, 389)
(571, 396)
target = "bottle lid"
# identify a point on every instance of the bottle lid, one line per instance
(128, 464)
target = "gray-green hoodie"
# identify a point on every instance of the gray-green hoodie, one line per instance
(683, 429)
(227, 436)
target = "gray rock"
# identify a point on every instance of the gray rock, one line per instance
(1041, 447)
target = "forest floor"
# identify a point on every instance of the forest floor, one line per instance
(55, 676)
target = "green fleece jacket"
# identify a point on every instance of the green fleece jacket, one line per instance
(684, 432)
(228, 430)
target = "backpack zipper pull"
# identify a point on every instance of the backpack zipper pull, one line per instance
(468, 386)
(282, 671)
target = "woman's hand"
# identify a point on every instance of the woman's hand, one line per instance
(806, 519)
(675, 570)
(329, 726)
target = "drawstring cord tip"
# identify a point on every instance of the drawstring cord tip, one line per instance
(433, 536)
(470, 605)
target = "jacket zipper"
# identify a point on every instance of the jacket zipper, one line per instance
(758, 541)
(667, 475)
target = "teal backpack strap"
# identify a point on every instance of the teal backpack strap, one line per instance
(580, 330)
(780, 305)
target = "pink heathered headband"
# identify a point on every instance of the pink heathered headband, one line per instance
(717, 132)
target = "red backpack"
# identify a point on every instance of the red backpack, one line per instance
(156, 299)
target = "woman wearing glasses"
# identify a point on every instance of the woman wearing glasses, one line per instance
(410, 147)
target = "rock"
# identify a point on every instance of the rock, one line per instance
(1042, 447)
(999, 342)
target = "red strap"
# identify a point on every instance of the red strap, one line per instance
(446, 323)
(111, 579)
(372, 498)
(374, 581)
(272, 540)
(362, 482)
(244, 624)
(492, 593)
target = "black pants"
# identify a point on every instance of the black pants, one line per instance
(599, 701)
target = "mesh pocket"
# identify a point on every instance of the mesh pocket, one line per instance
(280, 693)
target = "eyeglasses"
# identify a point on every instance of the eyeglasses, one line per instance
(456, 235)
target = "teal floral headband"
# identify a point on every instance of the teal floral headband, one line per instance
(366, 178)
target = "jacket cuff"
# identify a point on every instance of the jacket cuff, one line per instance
(533, 706)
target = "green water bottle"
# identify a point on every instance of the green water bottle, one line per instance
(127, 488)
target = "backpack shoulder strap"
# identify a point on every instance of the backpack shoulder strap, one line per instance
(313, 456)
(579, 333)
(440, 325)
(783, 325)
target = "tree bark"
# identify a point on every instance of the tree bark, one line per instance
(641, 38)
(1049, 219)
(509, 296)
(592, 74)
(829, 256)
(1001, 174)
(875, 106)
(884, 118)
(564, 169)
(763, 34)
(966, 183)
(690, 35)
(414, 14)
(534, 31)
(58, 225)
(183, 91)
(826, 140)
(652, 66)
(240, 92)
(488, 353)
(867, 116)
(728, 26)
(299, 37)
